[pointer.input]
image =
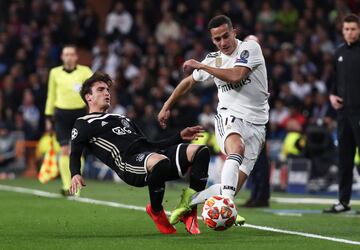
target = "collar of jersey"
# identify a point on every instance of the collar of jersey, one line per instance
(69, 71)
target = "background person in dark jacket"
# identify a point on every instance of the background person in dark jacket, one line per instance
(345, 99)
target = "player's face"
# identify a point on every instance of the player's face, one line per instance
(351, 32)
(224, 39)
(99, 99)
(69, 57)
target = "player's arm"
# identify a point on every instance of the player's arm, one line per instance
(183, 88)
(187, 134)
(336, 101)
(51, 95)
(79, 138)
(231, 75)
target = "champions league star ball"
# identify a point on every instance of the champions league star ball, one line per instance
(219, 213)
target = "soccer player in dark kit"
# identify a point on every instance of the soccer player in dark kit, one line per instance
(120, 144)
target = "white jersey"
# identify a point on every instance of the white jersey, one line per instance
(248, 99)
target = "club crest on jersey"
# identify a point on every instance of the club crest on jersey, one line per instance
(218, 62)
(74, 133)
(243, 57)
(121, 131)
(140, 157)
(340, 59)
(125, 123)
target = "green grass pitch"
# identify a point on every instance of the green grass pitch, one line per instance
(29, 221)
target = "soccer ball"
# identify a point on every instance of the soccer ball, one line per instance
(219, 213)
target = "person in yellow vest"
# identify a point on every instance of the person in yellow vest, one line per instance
(64, 105)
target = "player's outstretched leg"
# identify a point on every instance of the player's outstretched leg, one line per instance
(160, 220)
(239, 221)
(191, 221)
(183, 207)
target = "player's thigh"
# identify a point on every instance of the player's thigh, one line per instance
(229, 132)
(133, 171)
(234, 144)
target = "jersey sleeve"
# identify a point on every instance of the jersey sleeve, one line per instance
(250, 55)
(169, 141)
(201, 75)
(79, 139)
(50, 101)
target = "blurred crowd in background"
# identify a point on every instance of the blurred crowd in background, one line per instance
(142, 45)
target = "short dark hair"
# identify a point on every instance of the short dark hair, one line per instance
(351, 18)
(69, 45)
(98, 76)
(219, 20)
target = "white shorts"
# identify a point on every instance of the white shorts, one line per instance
(252, 134)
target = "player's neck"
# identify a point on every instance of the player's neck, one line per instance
(97, 110)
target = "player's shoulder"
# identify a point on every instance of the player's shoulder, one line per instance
(341, 47)
(57, 69)
(83, 68)
(250, 44)
(213, 54)
(89, 117)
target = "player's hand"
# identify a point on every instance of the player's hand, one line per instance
(48, 125)
(163, 117)
(336, 101)
(192, 133)
(77, 182)
(192, 64)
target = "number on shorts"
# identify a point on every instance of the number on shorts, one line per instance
(232, 119)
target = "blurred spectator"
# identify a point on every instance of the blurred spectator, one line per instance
(266, 17)
(88, 27)
(30, 112)
(287, 17)
(207, 117)
(295, 121)
(277, 116)
(119, 21)
(8, 164)
(298, 86)
(104, 59)
(167, 29)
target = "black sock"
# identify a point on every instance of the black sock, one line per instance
(156, 184)
(199, 169)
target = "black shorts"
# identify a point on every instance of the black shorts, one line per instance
(64, 122)
(135, 173)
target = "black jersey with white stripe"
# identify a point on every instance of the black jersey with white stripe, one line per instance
(111, 138)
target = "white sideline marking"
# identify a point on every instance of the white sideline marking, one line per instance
(322, 201)
(119, 205)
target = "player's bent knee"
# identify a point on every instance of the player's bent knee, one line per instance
(192, 150)
(202, 152)
(199, 170)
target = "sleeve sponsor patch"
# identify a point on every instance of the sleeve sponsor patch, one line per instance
(243, 57)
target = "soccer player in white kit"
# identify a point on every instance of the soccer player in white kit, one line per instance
(239, 72)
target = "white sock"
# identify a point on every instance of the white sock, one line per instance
(230, 175)
(202, 196)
